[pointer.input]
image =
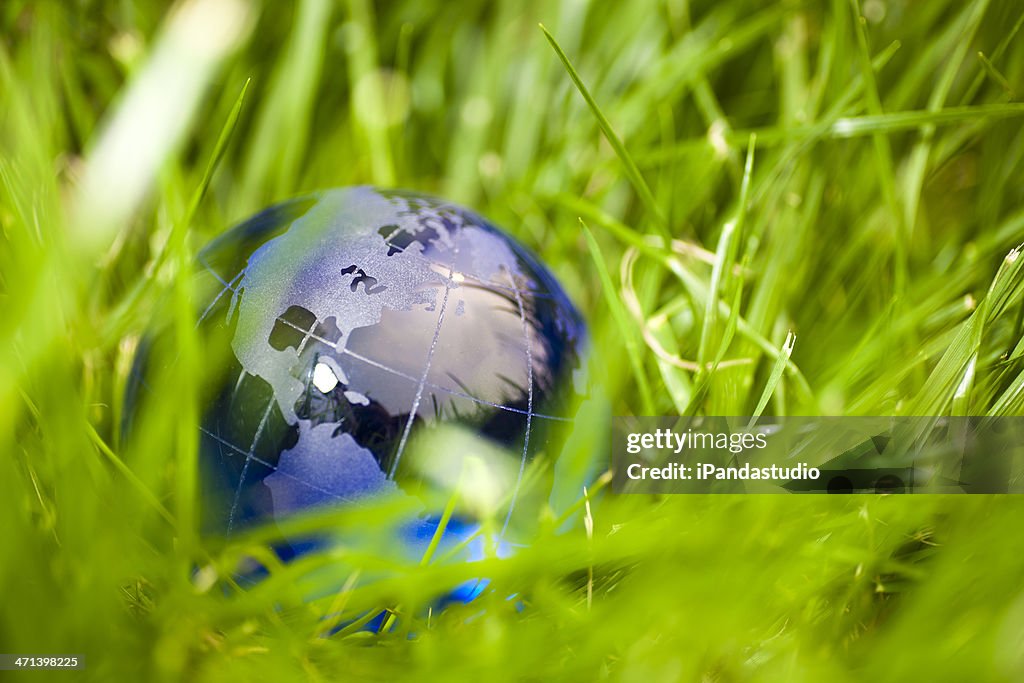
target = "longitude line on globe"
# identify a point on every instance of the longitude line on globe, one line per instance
(259, 432)
(528, 347)
(426, 367)
(228, 287)
(216, 275)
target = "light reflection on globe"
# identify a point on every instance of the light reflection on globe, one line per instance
(357, 320)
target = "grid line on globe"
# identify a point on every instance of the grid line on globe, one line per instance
(449, 281)
(447, 390)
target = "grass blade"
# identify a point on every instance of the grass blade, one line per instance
(618, 311)
(725, 258)
(773, 379)
(630, 167)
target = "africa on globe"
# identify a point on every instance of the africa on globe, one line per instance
(349, 327)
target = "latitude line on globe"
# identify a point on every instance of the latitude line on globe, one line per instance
(238, 451)
(426, 367)
(259, 432)
(528, 347)
(432, 385)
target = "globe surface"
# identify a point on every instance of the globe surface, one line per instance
(352, 321)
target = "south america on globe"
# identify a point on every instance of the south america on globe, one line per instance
(349, 328)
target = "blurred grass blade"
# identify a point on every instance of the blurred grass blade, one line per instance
(226, 131)
(632, 172)
(850, 127)
(626, 329)
(150, 122)
(883, 154)
(130, 476)
(917, 163)
(118, 318)
(995, 75)
(997, 53)
(188, 364)
(277, 143)
(725, 258)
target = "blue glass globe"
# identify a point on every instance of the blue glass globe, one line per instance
(350, 326)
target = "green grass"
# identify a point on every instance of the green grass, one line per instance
(856, 183)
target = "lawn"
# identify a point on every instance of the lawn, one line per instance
(794, 208)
